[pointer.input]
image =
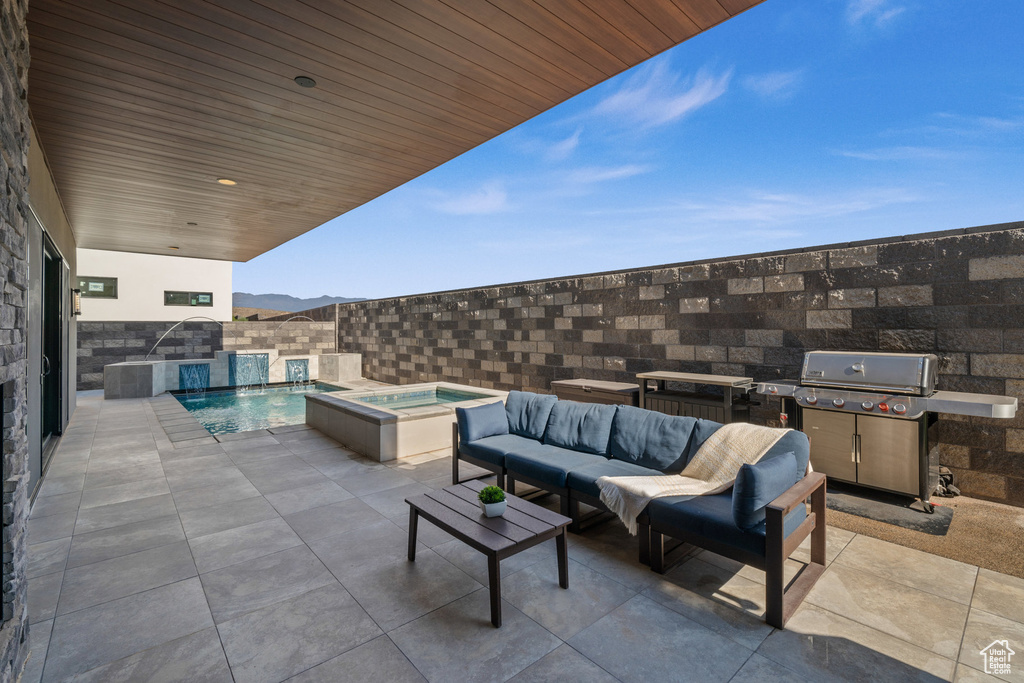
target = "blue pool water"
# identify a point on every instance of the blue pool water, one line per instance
(227, 412)
(417, 399)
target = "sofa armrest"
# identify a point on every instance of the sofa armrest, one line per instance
(797, 493)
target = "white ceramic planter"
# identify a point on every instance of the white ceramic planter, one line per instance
(493, 509)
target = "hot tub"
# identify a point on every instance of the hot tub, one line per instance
(394, 422)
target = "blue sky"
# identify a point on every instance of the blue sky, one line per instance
(797, 123)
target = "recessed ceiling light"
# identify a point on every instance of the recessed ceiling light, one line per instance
(305, 81)
(174, 248)
(226, 181)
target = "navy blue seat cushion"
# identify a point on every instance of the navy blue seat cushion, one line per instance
(528, 413)
(584, 479)
(711, 518)
(480, 421)
(650, 439)
(582, 427)
(759, 484)
(493, 449)
(549, 465)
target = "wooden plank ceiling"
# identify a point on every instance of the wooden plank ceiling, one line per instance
(141, 105)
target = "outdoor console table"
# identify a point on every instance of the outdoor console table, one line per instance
(524, 524)
(694, 405)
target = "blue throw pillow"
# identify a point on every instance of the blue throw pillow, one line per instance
(582, 427)
(650, 439)
(481, 421)
(759, 484)
(528, 413)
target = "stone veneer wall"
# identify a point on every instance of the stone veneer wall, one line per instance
(103, 343)
(14, 144)
(959, 294)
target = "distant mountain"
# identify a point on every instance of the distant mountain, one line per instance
(284, 302)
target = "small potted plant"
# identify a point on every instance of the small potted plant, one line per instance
(492, 501)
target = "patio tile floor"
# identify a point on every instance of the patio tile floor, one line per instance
(280, 555)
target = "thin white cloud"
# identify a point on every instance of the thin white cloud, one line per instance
(490, 198)
(759, 207)
(563, 149)
(655, 96)
(776, 85)
(872, 12)
(599, 174)
(902, 153)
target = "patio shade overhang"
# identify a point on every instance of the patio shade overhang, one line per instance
(142, 105)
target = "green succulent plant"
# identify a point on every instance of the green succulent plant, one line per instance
(491, 494)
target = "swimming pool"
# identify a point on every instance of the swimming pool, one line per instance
(431, 396)
(230, 411)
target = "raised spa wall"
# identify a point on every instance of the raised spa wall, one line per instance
(142, 379)
(384, 434)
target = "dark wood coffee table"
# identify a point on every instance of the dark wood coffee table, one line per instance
(524, 524)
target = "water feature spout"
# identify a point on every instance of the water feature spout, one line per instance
(171, 328)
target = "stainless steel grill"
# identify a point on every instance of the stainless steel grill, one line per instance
(867, 416)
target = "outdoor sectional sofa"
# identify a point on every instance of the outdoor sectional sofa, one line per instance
(563, 447)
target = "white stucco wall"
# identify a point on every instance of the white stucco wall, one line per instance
(142, 280)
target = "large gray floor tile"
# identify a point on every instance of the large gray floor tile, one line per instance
(391, 502)
(54, 486)
(884, 605)
(92, 637)
(177, 468)
(564, 612)
(474, 562)
(458, 643)
(43, 593)
(42, 529)
(258, 454)
(108, 495)
(47, 557)
(184, 479)
(311, 444)
(396, 593)
(99, 478)
(198, 658)
(982, 629)
(338, 464)
(113, 463)
(565, 665)
(362, 549)
(243, 543)
(644, 641)
(363, 482)
(171, 454)
(124, 540)
(37, 643)
(128, 512)
(101, 582)
(377, 660)
(334, 519)
(54, 505)
(760, 669)
(292, 636)
(932, 574)
(210, 520)
(207, 496)
(1000, 594)
(279, 474)
(822, 646)
(249, 444)
(252, 585)
(306, 497)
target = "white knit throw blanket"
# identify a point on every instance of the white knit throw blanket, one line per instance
(713, 469)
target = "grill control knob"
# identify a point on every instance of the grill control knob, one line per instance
(867, 405)
(884, 407)
(899, 409)
(773, 390)
(838, 402)
(811, 400)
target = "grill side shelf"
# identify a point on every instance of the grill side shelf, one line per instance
(979, 405)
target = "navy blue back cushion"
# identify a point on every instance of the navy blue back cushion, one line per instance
(584, 427)
(528, 413)
(651, 439)
(701, 431)
(759, 484)
(481, 421)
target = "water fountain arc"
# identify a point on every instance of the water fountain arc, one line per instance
(171, 329)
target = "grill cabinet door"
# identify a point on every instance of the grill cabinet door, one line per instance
(889, 454)
(831, 435)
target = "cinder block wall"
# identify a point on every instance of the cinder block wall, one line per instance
(959, 294)
(103, 343)
(14, 144)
